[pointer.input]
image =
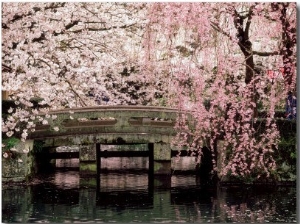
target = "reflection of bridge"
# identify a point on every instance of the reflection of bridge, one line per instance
(92, 126)
(65, 196)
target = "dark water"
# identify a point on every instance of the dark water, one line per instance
(63, 197)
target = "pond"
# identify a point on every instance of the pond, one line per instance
(63, 197)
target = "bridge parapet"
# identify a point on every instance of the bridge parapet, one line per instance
(157, 123)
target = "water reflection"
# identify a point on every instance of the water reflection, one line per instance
(66, 179)
(60, 197)
(128, 182)
(62, 163)
(116, 163)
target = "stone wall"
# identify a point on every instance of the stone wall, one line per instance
(18, 163)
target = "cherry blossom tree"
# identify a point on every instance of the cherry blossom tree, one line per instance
(209, 60)
(66, 49)
(70, 55)
(219, 52)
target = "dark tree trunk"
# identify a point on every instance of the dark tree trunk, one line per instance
(244, 42)
(246, 47)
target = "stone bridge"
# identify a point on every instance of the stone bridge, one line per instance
(109, 125)
(91, 127)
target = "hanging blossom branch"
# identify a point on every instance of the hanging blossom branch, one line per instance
(246, 151)
(257, 158)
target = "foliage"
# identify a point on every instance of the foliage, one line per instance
(287, 151)
(9, 147)
(9, 143)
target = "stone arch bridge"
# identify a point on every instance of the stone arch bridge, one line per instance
(109, 124)
(90, 127)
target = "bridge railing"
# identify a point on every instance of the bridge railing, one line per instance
(108, 119)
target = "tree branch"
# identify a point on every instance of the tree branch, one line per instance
(6, 68)
(216, 27)
(104, 29)
(266, 54)
(74, 91)
(71, 24)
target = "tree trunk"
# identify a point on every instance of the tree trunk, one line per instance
(246, 47)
